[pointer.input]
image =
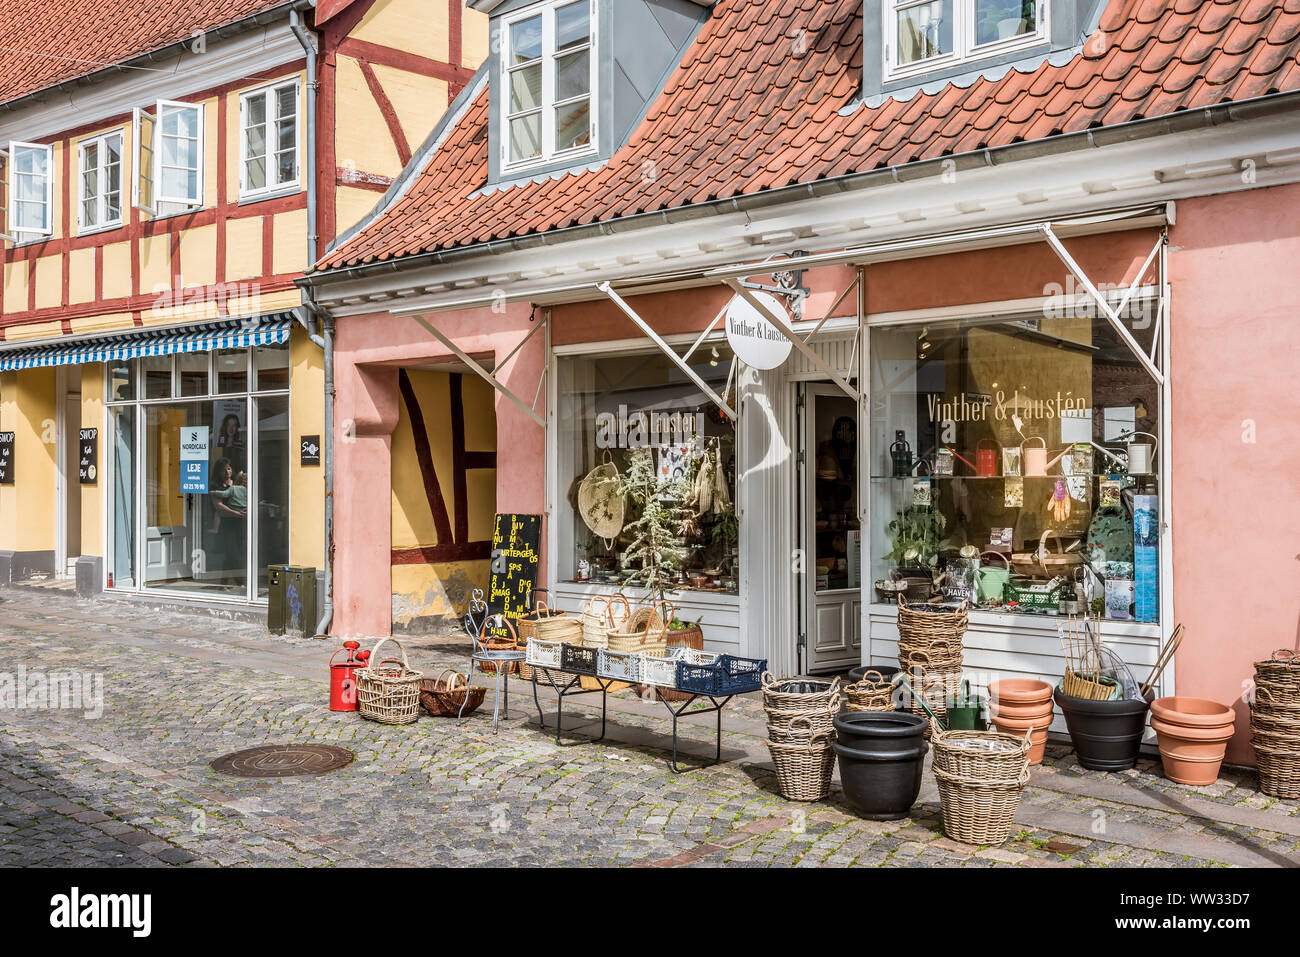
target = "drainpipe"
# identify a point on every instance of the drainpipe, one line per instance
(326, 340)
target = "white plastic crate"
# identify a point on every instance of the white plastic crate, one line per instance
(623, 666)
(545, 654)
(661, 670)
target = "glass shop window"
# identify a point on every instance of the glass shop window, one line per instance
(648, 472)
(1014, 463)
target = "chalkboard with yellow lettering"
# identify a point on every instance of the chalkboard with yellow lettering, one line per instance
(516, 556)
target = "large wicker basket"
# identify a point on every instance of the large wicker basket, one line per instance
(600, 615)
(388, 691)
(874, 692)
(1275, 724)
(804, 763)
(444, 696)
(979, 812)
(921, 625)
(646, 630)
(529, 626)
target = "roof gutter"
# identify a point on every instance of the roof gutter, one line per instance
(161, 53)
(1128, 131)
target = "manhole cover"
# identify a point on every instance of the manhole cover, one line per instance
(283, 761)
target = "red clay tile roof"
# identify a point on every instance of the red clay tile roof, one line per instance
(44, 42)
(742, 114)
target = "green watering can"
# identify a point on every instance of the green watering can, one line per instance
(991, 579)
(966, 711)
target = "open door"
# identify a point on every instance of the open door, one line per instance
(830, 535)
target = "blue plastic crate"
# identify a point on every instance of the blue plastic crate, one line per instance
(727, 676)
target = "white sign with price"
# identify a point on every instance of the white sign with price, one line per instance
(752, 336)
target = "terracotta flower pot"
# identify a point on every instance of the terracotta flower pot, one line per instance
(1018, 705)
(1193, 735)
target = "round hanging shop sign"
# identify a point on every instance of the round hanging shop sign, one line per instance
(751, 334)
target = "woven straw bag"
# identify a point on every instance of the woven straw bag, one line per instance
(389, 691)
(645, 630)
(804, 763)
(600, 615)
(600, 502)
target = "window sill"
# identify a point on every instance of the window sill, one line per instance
(248, 199)
(98, 230)
(991, 619)
(907, 78)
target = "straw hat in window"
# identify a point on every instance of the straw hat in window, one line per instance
(600, 502)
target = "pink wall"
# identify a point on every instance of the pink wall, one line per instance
(369, 350)
(1235, 350)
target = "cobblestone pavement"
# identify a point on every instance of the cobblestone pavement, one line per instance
(133, 787)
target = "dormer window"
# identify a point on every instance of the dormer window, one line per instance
(922, 36)
(549, 81)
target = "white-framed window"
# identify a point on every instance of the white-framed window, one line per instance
(921, 36)
(29, 193)
(168, 157)
(548, 83)
(268, 139)
(99, 181)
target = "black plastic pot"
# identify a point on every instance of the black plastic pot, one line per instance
(887, 671)
(1106, 734)
(881, 756)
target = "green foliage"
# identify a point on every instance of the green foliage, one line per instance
(658, 547)
(920, 530)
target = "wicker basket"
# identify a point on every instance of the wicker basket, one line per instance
(1275, 724)
(934, 686)
(870, 694)
(921, 625)
(977, 811)
(646, 630)
(388, 690)
(797, 694)
(444, 696)
(600, 615)
(1279, 768)
(1280, 674)
(787, 725)
(804, 763)
(529, 626)
(988, 756)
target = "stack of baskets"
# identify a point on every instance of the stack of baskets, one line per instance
(801, 734)
(873, 692)
(930, 652)
(981, 776)
(388, 690)
(531, 626)
(600, 615)
(1275, 724)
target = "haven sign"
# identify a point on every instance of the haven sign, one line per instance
(753, 338)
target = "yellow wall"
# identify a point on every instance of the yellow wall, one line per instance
(290, 242)
(474, 39)
(27, 508)
(419, 101)
(117, 270)
(306, 485)
(49, 282)
(16, 286)
(92, 496)
(362, 137)
(406, 26)
(81, 275)
(199, 256)
(243, 248)
(440, 589)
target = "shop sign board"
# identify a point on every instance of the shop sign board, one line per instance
(309, 450)
(194, 459)
(88, 456)
(6, 458)
(516, 558)
(753, 338)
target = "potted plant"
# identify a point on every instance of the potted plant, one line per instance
(915, 540)
(657, 549)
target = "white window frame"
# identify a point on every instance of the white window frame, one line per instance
(271, 94)
(101, 182)
(965, 49)
(20, 234)
(548, 103)
(160, 197)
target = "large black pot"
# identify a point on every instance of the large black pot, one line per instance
(881, 756)
(887, 671)
(1106, 734)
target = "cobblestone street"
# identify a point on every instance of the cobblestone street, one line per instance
(134, 786)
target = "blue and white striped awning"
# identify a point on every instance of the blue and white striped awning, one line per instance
(200, 337)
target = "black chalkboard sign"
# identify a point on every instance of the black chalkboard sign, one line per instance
(308, 450)
(88, 456)
(6, 458)
(516, 556)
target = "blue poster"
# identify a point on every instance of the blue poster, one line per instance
(194, 459)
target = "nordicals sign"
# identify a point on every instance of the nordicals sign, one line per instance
(77, 910)
(643, 430)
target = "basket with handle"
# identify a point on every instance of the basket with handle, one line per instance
(600, 615)
(444, 696)
(782, 725)
(510, 643)
(1280, 673)
(921, 624)
(989, 756)
(645, 630)
(872, 692)
(388, 690)
(976, 811)
(797, 694)
(528, 625)
(1058, 562)
(804, 762)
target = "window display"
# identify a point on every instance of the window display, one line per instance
(1015, 465)
(648, 470)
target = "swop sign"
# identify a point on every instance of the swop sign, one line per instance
(751, 334)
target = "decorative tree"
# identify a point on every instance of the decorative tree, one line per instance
(658, 547)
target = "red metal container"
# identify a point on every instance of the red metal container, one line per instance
(986, 460)
(343, 681)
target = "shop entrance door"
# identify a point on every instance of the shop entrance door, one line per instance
(829, 535)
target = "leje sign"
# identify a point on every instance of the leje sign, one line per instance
(753, 338)
(194, 459)
(88, 456)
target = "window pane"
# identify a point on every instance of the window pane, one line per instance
(121, 380)
(287, 134)
(122, 568)
(1003, 19)
(89, 212)
(157, 376)
(572, 25)
(113, 147)
(925, 31)
(194, 373)
(31, 161)
(90, 158)
(526, 89)
(525, 40)
(573, 125)
(31, 188)
(232, 370)
(180, 121)
(573, 75)
(1037, 413)
(178, 183)
(287, 164)
(272, 485)
(255, 141)
(114, 194)
(287, 102)
(255, 173)
(272, 365)
(526, 137)
(255, 110)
